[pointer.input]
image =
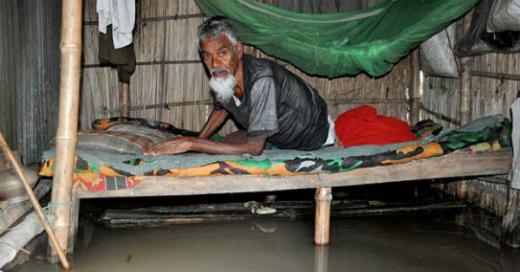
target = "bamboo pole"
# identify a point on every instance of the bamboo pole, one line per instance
(66, 136)
(495, 75)
(322, 220)
(415, 92)
(462, 190)
(158, 18)
(465, 101)
(34, 201)
(146, 63)
(125, 99)
(465, 81)
(465, 94)
(329, 102)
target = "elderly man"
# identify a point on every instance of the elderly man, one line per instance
(267, 102)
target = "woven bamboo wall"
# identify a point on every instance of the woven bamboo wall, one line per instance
(490, 96)
(489, 193)
(169, 71)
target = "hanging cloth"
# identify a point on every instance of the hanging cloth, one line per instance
(121, 15)
(116, 48)
(332, 45)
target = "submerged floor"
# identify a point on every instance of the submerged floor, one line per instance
(397, 243)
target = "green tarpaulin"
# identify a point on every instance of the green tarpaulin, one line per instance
(332, 45)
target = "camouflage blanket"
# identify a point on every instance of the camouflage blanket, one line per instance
(98, 172)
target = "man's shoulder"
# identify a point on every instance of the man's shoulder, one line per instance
(257, 68)
(255, 63)
(253, 59)
(262, 68)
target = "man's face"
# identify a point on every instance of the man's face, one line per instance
(219, 56)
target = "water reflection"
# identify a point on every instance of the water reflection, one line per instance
(321, 259)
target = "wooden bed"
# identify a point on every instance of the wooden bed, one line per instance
(457, 164)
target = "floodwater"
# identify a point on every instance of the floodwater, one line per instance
(396, 243)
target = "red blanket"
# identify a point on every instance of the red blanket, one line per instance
(362, 126)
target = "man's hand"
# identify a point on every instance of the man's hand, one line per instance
(177, 146)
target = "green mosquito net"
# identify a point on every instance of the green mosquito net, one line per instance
(333, 45)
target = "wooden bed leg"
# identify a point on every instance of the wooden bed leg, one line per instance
(74, 224)
(322, 220)
(462, 190)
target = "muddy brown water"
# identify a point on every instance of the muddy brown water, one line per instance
(396, 243)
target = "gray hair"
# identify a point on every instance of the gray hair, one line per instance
(216, 26)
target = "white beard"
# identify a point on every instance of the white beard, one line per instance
(223, 87)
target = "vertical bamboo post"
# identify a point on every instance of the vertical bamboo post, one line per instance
(66, 135)
(322, 220)
(465, 81)
(415, 87)
(465, 101)
(124, 94)
(465, 94)
(462, 190)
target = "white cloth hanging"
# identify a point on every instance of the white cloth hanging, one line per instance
(121, 15)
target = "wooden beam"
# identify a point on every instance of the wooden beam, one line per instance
(499, 76)
(66, 136)
(157, 19)
(458, 164)
(210, 102)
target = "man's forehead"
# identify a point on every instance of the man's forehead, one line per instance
(216, 42)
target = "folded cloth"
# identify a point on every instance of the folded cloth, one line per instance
(362, 126)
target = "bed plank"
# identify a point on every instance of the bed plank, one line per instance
(458, 164)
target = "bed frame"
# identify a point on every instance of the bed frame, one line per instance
(457, 164)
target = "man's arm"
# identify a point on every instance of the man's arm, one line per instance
(215, 120)
(184, 144)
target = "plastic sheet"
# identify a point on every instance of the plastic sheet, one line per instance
(15, 239)
(478, 41)
(504, 16)
(437, 55)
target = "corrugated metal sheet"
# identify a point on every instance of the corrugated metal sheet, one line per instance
(29, 74)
